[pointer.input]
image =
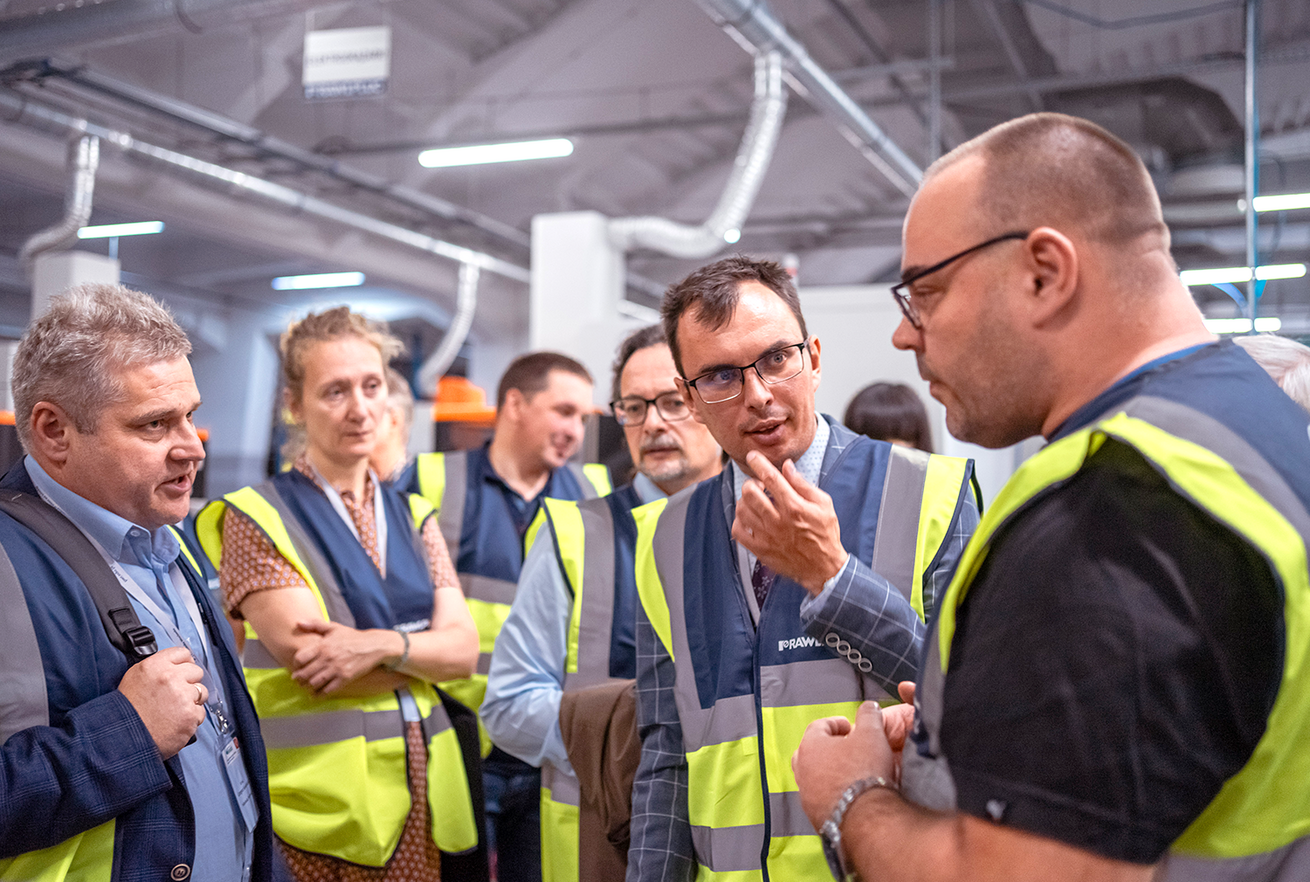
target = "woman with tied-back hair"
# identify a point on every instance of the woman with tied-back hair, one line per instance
(890, 412)
(353, 611)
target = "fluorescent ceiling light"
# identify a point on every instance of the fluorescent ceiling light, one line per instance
(1234, 274)
(478, 154)
(318, 280)
(1243, 325)
(107, 231)
(1284, 202)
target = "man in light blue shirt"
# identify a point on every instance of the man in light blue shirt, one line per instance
(527, 680)
(151, 765)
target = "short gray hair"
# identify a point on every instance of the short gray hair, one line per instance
(71, 355)
(1286, 360)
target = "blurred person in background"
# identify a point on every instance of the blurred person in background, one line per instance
(890, 412)
(1287, 361)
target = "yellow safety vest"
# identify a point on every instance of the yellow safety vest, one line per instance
(739, 749)
(1262, 813)
(442, 481)
(338, 774)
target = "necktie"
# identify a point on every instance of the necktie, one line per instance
(761, 580)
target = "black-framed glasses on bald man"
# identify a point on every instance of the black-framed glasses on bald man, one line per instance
(773, 367)
(906, 300)
(632, 410)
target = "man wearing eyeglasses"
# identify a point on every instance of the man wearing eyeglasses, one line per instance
(1118, 687)
(568, 643)
(787, 589)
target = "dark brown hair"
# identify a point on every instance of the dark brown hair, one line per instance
(651, 335)
(531, 373)
(712, 291)
(890, 412)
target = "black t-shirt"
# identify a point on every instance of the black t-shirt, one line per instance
(1114, 662)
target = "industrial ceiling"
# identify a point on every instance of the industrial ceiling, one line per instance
(655, 94)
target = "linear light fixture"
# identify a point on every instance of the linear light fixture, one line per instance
(318, 280)
(511, 151)
(1235, 274)
(1243, 325)
(1281, 202)
(109, 231)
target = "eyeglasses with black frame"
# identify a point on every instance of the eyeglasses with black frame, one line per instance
(632, 410)
(904, 301)
(773, 367)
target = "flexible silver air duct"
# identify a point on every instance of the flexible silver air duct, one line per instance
(18, 109)
(83, 159)
(681, 240)
(436, 365)
(753, 23)
(222, 126)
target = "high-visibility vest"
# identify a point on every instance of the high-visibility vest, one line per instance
(1262, 814)
(746, 693)
(595, 542)
(338, 774)
(442, 479)
(142, 836)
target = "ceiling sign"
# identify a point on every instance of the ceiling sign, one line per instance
(347, 62)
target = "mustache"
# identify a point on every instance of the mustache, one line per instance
(661, 442)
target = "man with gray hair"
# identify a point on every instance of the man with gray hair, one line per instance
(1286, 361)
(131, 749)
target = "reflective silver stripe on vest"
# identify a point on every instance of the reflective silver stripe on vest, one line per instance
(1192, 425)
(23, 699)
(589, 490)
(450, 516)
(927, 780)
(801, 684)
(330, 727)
(256, 657)
(897, 539)
(596, 617)
(729, 719)
(563, 787)
(1291, 863)
(787, 816)
(319, 568)
(487, 589)
(724, 849)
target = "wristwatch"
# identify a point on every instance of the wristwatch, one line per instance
(830, 832)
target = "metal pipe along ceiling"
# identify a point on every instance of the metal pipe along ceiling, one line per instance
(748, 170)
(752, 21)
(83, 159)
(18, 109)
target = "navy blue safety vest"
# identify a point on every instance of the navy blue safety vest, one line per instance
(80, 664)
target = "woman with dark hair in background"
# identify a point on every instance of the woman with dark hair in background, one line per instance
(890, 412)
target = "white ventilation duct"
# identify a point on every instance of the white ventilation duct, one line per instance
(724, 224)
(21, 110)
(83, 159)
(439, 361)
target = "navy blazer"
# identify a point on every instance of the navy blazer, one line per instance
(95, 761)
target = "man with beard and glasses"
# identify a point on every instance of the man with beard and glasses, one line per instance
(789, 587)
(572, 620)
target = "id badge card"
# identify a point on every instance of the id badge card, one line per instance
(239, 782)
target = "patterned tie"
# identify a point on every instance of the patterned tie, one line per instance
(761, 580)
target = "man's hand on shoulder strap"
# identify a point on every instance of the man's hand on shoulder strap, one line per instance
(166, 692)
(789, 524)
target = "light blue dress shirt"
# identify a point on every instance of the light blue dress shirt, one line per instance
(223, 844)
(526, 681)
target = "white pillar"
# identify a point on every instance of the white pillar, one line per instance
(577, 283)
(57, 271)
